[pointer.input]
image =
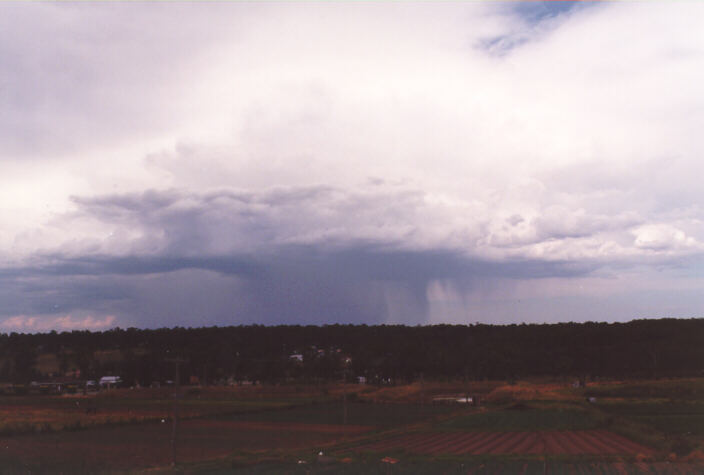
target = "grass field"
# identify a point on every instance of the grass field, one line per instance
(673, 418)
(377, 415)
(675, 389)
(522, 428)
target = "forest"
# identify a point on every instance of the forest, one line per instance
(381, 354)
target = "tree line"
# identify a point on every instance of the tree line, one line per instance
(384, 354)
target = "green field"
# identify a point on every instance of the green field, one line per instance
(683, 389)
(524, 419)
(364, 414)
(675, 418)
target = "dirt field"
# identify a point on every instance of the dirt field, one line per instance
(148, 445)
(593, 442)
(272, 429)
(601, 468)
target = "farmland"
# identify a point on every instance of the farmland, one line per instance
(36, 414)
(520, 443)
(527, 427)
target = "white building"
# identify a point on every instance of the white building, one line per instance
(109, 382)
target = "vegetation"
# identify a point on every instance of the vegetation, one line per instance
(691, 390)
(377, 415)
(381, 354)
(260, 399)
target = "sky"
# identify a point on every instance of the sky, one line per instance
(194, 164)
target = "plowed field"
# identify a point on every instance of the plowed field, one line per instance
(591, 468)
(583, 442)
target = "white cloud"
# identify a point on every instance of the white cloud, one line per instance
(663, 237)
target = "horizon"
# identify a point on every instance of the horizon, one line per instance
(177, 165)
(247, 325)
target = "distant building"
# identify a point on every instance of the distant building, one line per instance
(107, 382)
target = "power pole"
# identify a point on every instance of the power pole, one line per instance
(344, 402)
(422, 390)
(344, 405)
(175, 409)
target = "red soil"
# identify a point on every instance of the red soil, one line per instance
(548, 442)
(463, 441)
(509, 445)
(489, 443)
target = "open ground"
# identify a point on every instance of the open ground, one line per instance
(527, 427)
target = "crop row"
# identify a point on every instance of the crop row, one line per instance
(592, 442)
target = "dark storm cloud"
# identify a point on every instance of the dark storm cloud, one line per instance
(132, 265)
(32, 292)
(295, 285)
(355, 262)
(283, 255)
(311, 254)
(233, 222)
(230, 221)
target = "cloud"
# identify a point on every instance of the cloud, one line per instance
(295, 284)
(108, 72)
(375, 253)
(22, 323)
(394, 217)
(663, 237)
(362, 162)
(527, 22)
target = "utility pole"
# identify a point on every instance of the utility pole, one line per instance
(175, 396)
(344, 401)
(344, 405)
(422, 390)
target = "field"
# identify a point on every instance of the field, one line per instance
(36, 414)
(148, 445)
(530, 427)
(522, 443)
